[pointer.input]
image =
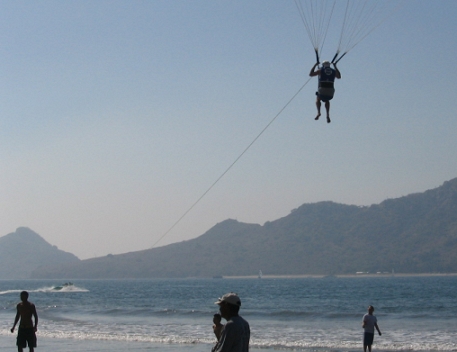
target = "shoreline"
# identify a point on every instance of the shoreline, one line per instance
(51, 344)
(342, 276)
(264, 276)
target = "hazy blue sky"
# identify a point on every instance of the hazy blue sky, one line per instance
(116, 116)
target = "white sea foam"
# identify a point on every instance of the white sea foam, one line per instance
(53, 289)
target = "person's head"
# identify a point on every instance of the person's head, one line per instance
(24, 296)
(217, 319)
(229, 305)
(370, 309)
(326, 63)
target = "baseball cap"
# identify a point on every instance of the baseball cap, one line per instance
(230, 298)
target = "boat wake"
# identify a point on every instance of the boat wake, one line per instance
(66, 287)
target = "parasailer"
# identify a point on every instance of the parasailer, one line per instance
(326, 89)
(359, 18)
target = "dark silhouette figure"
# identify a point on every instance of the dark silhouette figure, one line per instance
(27, 329)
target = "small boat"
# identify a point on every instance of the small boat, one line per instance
(260, 274)
(67, 284)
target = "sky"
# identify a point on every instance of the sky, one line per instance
(117, 116)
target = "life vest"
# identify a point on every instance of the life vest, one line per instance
(325, 89)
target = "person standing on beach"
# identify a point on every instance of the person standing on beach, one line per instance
(369, 323)
(217, 326)
(236, 332)
(27, 329)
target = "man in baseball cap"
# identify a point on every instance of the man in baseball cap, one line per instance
(230, 298)
(236, 333)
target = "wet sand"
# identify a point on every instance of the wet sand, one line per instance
(8, 343)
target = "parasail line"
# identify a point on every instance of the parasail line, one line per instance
(231, 165)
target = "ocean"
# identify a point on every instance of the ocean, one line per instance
(415, 313)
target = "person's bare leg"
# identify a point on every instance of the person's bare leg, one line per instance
(318, 106)
(327, 108)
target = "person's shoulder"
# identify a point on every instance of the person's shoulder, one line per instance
(244, 321)
(235, 320)
(229, 326)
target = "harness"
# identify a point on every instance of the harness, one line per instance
(326, 90)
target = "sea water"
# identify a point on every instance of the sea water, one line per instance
(417, 313)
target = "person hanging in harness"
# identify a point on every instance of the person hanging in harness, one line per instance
(325, 89)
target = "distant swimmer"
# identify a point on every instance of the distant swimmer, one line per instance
(325, 90)
(369, 323)
(27, 329)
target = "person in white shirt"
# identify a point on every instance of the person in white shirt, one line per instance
(369, 323)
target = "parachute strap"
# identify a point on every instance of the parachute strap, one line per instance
(316, 17)
(325, 84)
(361, 17)
(317, 56)
(335, 62)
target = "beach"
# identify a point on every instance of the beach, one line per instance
(73, 345)
(8, 343)
(54, 345)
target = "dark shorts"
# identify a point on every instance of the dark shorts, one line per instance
(26, 337)
(368, 338)
(324, 98)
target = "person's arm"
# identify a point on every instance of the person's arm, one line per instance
(338, 73)
(227, 340)
(35, 315)
(313, 73)
(16, 319)
(377, 328)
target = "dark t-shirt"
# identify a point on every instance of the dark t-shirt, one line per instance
(235, 336)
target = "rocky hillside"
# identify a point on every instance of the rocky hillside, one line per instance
(23, 251)
(412, 234)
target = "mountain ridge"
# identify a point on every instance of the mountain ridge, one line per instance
(416, 233)
(24, 250)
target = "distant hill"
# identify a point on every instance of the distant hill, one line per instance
(412, 234)
(23, 251)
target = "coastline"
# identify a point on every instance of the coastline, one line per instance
(51, 344)
(370, 275)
